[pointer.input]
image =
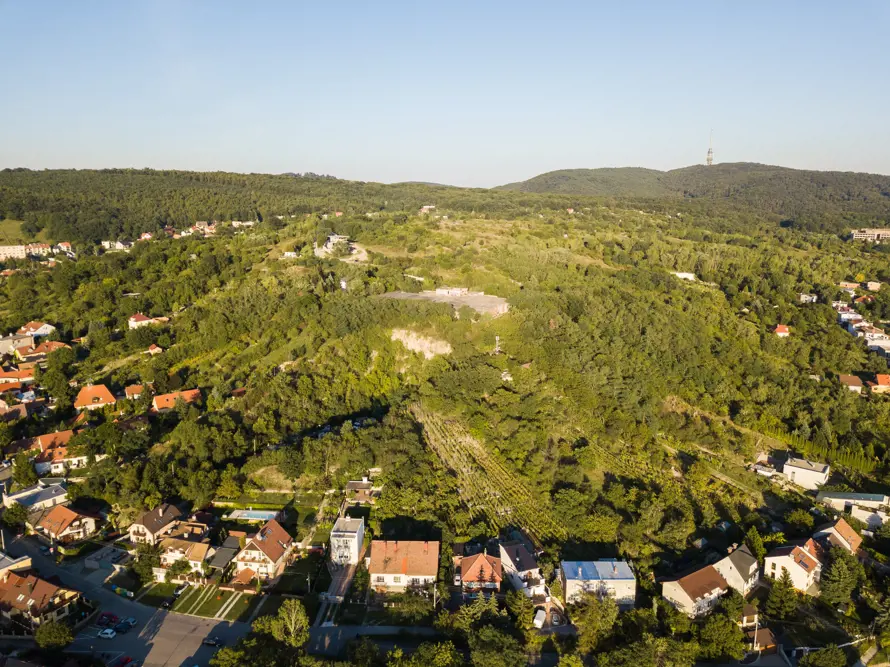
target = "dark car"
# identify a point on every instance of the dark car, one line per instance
(212, 641)
(122, 628)
(166, 604)
(107, 619)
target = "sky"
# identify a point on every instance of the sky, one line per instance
(475, 93)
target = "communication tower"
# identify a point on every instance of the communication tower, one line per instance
(710, 159)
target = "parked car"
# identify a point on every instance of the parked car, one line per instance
(166, 604)
(107, 618)
(122, 628)
(107, 633)
(555, 619)
(44, 549)
(212, 641)
(180, 589)
(130, 621)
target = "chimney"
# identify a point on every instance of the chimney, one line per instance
(161, 511)
(426, 547)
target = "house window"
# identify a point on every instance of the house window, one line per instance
(380, 579)
(396, 580)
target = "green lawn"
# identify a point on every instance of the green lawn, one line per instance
(187, 599)
(242, 609)
(322, 535)
(294, 579)
(158, 594)
(214, 603)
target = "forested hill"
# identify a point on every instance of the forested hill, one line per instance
(816, 200)
(93, 205)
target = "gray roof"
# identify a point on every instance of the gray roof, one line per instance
(346, 525)
(160, 516)
(519, 555)
(840, 495)
(804, 464)
(223, 556)
(742, 559)
(597, 570)
(38, 494)
(8, 561)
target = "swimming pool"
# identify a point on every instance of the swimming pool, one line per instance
(252, 515)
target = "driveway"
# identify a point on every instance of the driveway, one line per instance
(160, 638)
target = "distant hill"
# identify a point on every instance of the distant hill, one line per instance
(817, 200)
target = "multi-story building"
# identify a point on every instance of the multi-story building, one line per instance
(698, 593)
(606, 578)
(807, 474)
(347, 536)
(395, 565)
(152, 525)
(875, 235)
(265, 554)
(28, 600)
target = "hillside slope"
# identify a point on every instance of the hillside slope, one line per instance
(823, 200)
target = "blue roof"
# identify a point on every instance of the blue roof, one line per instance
(592, 570)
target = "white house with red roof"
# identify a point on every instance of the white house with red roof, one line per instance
(782, 331)
(94, 397)
(839, 534)
(141, 320)
(36, 329)
(803, 562)
(265, 554)
(395, 565)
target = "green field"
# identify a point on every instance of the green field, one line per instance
(214, 603)
(157, 594)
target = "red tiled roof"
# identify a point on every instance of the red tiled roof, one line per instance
(36, 594)
(850, 380)
(882, 380)
(17, 376)
(134, 390)
(701, 582)
(168, 401)
(419, 559)
(850, 536)
(782, 328)
(272, 540)
(97, 394)
(30, 327)
(481, 568)
(58, 519)
(244, 576)
(139, 317)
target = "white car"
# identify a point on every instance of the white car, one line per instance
(107, 633)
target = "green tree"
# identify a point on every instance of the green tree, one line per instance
(840, 578)
(732, 604)
(438, 654)
(23, 473)
(15, 516)
(289, 626)
(783, 598)
(830, 656)
(489, 647)
(720, 638)
(594, 618)
(800, 521)
(52, 635)
(755, 544)
(651, 651)
(177, 569)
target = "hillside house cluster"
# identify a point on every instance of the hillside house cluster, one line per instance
(873, 235)
(697, 593)
(805, 560)
(877, 340)
(35, 250)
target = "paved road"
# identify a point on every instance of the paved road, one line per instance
(160, 638)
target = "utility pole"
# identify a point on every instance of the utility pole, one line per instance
(710, 159)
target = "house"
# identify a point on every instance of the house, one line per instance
(140, 320)
(167, 402)
(864, 299)
(223, 555)
(872, 285)
(134, 391)
(522, 569)
(62, 524)
(28, 600)
(782, 331)
(174, 549)
(847, 285)
(606, 578)
(151, 525)
(153, 350)
(22, 376)
(479, 572)
(839, 534)
(40, 352)
(54, 457)
(851, 382)
(807, 474)
(347, 537)
(880, 385)
(803, 563)
(265, 554)
(362, 492)
(10, 343)
(844, 502)
(740, 569)
(10, 564)
(39, 496)
(697, 593)
(874, 235)
(684, 275)
(395, 565)
(94, 397)
(36, 329)
(808, 298)
(750, 617)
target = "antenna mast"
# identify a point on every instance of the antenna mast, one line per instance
(710, 159)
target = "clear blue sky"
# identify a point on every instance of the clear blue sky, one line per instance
(468, 93)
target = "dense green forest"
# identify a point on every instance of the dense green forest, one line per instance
(817, 200)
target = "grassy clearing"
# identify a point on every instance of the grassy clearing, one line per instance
(242, 610)
(271, 477)
(211, 606)
(185, 601)
(158, 594)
